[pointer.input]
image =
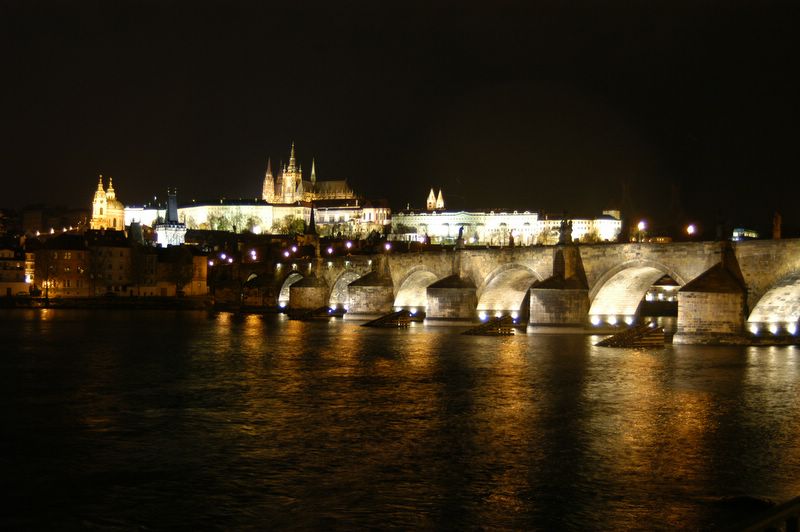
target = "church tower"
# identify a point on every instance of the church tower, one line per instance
(313, 173)
(268, 189)
(99, 206)
(440, 201)
(292, 177)
(431, 203)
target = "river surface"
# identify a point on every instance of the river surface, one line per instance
(154, 420)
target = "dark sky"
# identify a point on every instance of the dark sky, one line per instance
(669, 110)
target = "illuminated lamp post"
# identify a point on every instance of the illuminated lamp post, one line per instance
(641, 227)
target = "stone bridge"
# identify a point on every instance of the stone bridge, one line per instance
(726, 288)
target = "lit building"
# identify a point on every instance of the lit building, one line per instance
(285, 206)
(107, 211)
(496, 228)
(741, 233)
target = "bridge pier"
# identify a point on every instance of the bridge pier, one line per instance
(558, 306)
(563, 298)
(308, 293)
(453, 297)
(711, 308)
(370, 294)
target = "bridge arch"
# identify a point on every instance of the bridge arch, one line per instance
(283, 295)
(778, 310)
(412, 291)
(505, 290)
(339, 291)
(617, 293)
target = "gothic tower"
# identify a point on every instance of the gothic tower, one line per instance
(268, 189)
(431, 203)
(440, 201)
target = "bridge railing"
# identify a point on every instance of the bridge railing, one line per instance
(785, 516)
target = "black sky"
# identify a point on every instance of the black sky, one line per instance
(668, 110)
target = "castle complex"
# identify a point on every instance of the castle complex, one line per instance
(286, 203)
(438, 225)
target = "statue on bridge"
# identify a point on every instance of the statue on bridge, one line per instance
(565, 232)
(460, 239)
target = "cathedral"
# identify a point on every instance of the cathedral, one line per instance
(290, 187)
(107, 211)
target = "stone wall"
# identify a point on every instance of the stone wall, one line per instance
(559, 307)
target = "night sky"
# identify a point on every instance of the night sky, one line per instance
(672, 111)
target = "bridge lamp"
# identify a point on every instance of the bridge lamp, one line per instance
(482, 315)
(691, 229)
(791, 328)
(629, 320)
(412, 311)
(387, 246)
(498, 314)
(612, 320)
(211, 263)
(514, 315)
(294, 249)
(286, 254)
(595, 320)
(223, 256)
(641, 226)
(348, 244)
(330, 251)
(282, 304)
(230, 260)
(773, 328)
(754, 328)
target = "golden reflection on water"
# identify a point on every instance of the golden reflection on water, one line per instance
(645, 430)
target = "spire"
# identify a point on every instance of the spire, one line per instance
(440, 200)
(268, 188)
(431, 203)
(110, 190)
(100, 184)
(292, 160)
(313, 172)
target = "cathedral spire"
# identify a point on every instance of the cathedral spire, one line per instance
(292, 160)
(313, 172)
(440, 200)
(268, 188)
(431, 203)
(100, 183)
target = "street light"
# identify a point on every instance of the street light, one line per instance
(641, 226)
(691, 229)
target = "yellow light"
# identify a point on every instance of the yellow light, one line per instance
(612, 320)
(595, 320)
(690, 229)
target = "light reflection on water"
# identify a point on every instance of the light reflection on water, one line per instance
(181, 419)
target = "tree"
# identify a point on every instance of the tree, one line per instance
(290, 225)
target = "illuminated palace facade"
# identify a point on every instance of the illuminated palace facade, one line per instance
(497, 227)
(286, 199)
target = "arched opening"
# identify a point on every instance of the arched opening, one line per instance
(339, 293)
(619, 297)
(506, 293)
(412, 294)
(778, 311)
(283, 295)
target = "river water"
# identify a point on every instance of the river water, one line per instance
(156, 420)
